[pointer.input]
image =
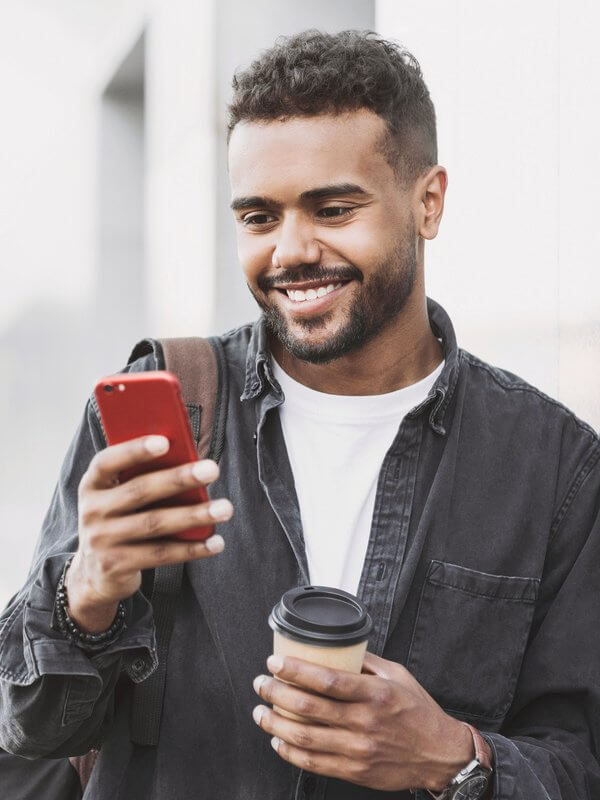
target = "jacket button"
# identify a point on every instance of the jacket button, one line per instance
(138, 666)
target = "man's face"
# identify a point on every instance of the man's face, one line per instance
(326, 234)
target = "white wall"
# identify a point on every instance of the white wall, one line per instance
(120, 286)
(181, 128)
(579, 189)
(48, 145)
(59, 220)
(516, 89)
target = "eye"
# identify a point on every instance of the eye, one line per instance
(255, 220)
(331, 212)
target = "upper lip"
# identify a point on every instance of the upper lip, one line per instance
(310, 284)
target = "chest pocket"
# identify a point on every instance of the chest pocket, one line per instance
(469, 638)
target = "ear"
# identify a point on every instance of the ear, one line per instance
(430, 193)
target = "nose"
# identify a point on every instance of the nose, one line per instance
(296, 244)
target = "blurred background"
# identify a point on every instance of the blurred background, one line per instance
(114, 218)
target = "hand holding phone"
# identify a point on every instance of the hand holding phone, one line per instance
(146, 403)
(143, 501)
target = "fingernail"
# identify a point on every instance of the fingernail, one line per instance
(157, 445)
(257, 714)
(220, 509)
(205, 471)
(215, 544)
(258, 682)
(275, 743)
(274, 663)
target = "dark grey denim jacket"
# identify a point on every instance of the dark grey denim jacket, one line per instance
(482, 576)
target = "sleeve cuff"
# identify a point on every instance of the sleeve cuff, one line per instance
(49, 651)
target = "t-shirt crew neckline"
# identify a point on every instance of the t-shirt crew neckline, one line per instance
(311, 403)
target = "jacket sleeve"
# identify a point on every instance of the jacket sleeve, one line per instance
(548, 749)
(55, 698)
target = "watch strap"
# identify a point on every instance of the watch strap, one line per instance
(483, 758)
(483, 752)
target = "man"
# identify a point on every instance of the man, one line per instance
(364, 450)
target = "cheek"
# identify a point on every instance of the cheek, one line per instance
(254, 254)
(360, 245)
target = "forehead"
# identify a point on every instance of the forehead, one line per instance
(286, 157)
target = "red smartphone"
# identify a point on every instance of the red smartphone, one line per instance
(149, 403)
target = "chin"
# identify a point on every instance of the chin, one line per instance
(317, 349)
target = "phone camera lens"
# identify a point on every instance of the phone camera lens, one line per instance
(109, 388)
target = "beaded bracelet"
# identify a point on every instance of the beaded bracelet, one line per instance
(79, 637)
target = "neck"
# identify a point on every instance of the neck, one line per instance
(402, 354)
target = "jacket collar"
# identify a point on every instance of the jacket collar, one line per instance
(257, 359)
(259, 376)
(438, 399)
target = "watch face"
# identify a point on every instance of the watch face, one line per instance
(472, 789)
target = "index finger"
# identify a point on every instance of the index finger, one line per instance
(107, 464)
(336, 683)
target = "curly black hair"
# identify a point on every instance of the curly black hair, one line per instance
(314, 73)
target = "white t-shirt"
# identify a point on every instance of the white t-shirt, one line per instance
(336, 445)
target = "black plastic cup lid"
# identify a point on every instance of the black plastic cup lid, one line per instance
(321, 615)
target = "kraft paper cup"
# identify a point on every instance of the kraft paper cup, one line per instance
(323, 625)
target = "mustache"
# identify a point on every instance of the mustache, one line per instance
(310, 272)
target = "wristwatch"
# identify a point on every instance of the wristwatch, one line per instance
(472, 781)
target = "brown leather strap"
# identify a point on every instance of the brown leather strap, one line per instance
(194, 362)
(483, 752)
(84, 765)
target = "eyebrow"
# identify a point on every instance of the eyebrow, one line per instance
(320, 193)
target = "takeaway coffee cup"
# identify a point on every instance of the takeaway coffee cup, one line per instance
(323, 625)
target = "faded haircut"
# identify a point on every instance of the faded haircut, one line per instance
(314, 73)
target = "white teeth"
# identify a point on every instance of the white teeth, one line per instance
(298, 295)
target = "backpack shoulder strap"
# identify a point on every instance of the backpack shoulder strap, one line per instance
(200, 366)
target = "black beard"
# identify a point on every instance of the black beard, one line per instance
(379, 301)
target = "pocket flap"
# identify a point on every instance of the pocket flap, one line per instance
(483, 584)
(469, 639)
